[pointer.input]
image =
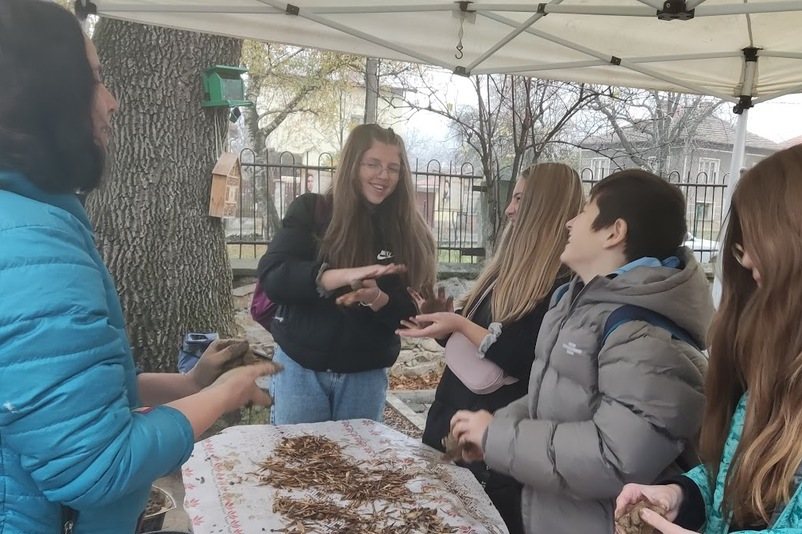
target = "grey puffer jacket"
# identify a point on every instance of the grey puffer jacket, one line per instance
(597, 417)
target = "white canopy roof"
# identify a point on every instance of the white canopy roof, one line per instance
(615, 42)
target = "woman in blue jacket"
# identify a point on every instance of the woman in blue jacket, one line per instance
(751, 440)
(81, 435)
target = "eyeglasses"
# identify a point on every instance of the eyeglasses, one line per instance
(738, 253)
(376, 168)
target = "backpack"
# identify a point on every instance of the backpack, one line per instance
(630, 312)
(262, 308)
(689, 458)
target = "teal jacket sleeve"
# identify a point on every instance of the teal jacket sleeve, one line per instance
(64, 368)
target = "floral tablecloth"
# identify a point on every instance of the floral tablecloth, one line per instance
(223, 494)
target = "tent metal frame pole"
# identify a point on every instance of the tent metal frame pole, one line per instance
(608, 57)
(541, 66)
(361, 35)
(554, 8)
(595, 63)
(519, 28)
(254, 9)
(781, 55)
(747, 9)
(773, 6)
(655, 4)
(737, 161)
(739, 143)
(391, 8)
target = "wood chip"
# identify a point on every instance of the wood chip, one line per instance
(346, 496)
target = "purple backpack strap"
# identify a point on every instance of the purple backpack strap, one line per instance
(262, 308)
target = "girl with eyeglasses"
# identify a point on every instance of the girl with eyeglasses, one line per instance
(751, 439)
(339, 269)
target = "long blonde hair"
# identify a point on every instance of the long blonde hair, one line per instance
(756, 343)
(350, 238)
(527, 258)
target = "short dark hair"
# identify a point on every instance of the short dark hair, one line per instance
(46, 102)
(653, 209)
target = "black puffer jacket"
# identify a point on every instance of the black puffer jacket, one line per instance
(312, 329)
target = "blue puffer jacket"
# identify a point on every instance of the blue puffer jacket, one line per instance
(68, 390)
(789, 521)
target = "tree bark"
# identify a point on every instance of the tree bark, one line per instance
(166, 254)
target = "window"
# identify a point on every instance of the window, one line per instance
(703, 211)
(709, 167)
(600, 167)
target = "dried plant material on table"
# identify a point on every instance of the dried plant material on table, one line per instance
(360, 497)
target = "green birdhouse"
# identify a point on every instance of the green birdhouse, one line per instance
(223, 87)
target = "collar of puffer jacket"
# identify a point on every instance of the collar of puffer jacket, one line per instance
(17, 183)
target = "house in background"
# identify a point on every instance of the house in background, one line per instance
(707, 153)
(698, 165)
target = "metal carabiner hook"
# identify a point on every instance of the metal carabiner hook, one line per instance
(460, 54)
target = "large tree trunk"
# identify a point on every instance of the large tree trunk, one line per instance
(166, 254)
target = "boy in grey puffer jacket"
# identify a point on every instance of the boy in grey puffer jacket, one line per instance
(601, 413)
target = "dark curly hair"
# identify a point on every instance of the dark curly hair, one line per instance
(46, 101)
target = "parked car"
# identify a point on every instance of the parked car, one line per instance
(705, 250)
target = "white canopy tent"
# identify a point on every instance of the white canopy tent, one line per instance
(741, 51)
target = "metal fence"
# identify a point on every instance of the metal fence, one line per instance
(449, 197)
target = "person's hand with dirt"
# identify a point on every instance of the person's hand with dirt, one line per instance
(232, 390)
(354, 277)
(438, 325)
(214, 359)
(223, 355)
(438, 303)
(468, 428)
(641, 509)
(434, 304)
(366, 293)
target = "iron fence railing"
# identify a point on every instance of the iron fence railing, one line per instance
(448, 196)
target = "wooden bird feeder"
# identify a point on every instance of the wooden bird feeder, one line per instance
(226, 177)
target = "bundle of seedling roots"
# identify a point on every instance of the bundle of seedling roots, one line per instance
(342, 495)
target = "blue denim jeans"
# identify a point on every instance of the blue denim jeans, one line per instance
(305, 396)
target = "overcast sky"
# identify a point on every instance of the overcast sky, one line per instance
(778, 120)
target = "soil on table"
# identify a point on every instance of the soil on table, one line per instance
(156, 503)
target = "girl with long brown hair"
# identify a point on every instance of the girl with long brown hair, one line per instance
(491, 342)
(339, 269)
(751, 439)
